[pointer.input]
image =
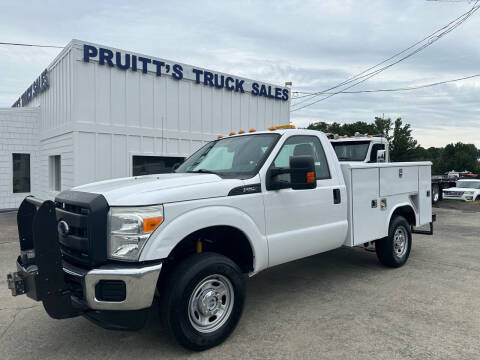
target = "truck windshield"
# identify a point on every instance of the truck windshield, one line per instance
(236, 157)
(351, 151)
(468, 184)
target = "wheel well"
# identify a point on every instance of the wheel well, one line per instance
(226, 240)
(407, 212)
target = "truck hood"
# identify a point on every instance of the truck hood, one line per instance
(161, 188)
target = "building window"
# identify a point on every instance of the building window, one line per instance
(144, 165)
(21, 173)
(55, 180)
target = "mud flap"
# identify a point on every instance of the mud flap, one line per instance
(40, 263)
(426, 232)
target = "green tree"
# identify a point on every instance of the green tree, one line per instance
(403, 147)
(383, 127)
(458, 157)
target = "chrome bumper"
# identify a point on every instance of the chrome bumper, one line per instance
(140, 284)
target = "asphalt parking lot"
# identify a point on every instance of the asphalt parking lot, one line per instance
(337, 305)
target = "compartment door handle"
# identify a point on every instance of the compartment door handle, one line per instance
(337, 197)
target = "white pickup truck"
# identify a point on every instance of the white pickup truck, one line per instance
(239, 205)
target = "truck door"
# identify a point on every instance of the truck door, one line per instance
(300, 223)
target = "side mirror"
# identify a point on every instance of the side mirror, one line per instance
(302, 172)
(381, 156)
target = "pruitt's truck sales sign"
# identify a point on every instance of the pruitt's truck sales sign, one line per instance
(125, 61)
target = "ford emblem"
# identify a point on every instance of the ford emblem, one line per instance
(63, 228)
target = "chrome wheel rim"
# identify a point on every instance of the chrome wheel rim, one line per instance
(211, 303)
(400, 242)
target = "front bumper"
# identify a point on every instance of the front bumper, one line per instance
(464, 197)
(139, 285)
(67, 290)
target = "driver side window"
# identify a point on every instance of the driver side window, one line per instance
(302, 145)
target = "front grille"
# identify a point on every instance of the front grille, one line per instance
(75, 245)
(85, 214)
(454, 193)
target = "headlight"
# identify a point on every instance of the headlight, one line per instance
(469, 192)
(129, 229)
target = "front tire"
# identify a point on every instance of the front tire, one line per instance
(394, 250)
(203, 300)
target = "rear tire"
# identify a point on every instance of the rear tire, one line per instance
(202, 300)
(394, 250)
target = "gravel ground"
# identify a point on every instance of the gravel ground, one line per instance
(337, 305)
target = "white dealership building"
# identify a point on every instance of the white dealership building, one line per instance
(98, 113)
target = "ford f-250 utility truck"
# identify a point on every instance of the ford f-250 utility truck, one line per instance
(364, 148)
(237, 206)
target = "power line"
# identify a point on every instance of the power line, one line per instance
(391, 90)
(459, 20)
(367, 74)
(355, 77)
(31, 45)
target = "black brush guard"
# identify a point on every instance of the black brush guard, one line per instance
(39, 267)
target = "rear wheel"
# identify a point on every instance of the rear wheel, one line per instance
(203, 300)
(394, 250)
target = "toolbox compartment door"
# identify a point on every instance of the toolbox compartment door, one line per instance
(396, 180)
(425, 194)
(367, 215)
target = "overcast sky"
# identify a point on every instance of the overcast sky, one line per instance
(314, 44)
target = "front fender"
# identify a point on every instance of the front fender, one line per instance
(168, 235)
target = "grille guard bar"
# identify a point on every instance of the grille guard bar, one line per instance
(40, 272)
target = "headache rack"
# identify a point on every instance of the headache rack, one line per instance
(82, 219)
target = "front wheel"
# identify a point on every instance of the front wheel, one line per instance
(203, 300)
(394, 250)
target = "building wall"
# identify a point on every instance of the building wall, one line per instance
(56, 145)
(118, 114)
(55, 103)
(55, 126)
(18, 134)
(97, 117)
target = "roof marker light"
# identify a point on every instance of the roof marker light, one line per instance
(272, 128)
(219, 136)
(241, 131)
(251, 130)
(286, 126)
(231, 133)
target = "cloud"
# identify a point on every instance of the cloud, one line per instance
(314, 44)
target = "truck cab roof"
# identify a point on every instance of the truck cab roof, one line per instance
(359, 138)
